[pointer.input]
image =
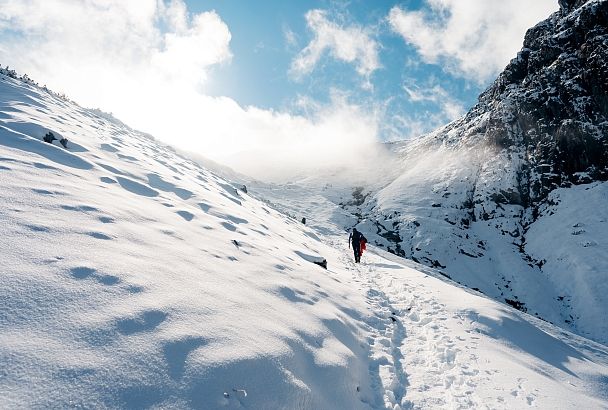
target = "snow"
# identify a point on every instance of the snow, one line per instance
(132, 277)
(456, 210)
(570, 238)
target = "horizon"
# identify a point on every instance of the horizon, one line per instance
(301, 79)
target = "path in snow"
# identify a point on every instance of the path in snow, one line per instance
(432, 345)
(435, 344)
(410, 314)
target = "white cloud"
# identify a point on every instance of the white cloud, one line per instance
(332, 136)
(471, 38)
(148, 62)
(449, 107)
(95, 40)
(352, 44)
(291, 39)
(189, 50)
(436, 107)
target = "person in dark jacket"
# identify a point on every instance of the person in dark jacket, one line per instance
(355, 239)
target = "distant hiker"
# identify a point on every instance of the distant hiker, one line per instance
(358, 241)
(304, 221)
(49, 137)
(64, 141)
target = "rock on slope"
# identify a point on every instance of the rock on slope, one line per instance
(472, 196)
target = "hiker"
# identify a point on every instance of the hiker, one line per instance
(358, 241)
(49, 137)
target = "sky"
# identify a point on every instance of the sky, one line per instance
(267, 85)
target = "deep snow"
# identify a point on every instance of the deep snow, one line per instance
(133, 277)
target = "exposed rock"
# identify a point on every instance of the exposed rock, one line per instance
(569, 5)
(49, 137)
(542, 125)
(550, 105)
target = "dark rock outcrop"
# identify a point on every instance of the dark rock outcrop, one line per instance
(551, 102)
(569, 5)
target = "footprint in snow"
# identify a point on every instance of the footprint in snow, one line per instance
(108, 280)
(106, 219)
(228, 226)
(235, 219)
(127, 157)
(136, 188)
(83, 272)
(79, 208)
(294, 296)
(38, 228)
(40, 165)
(134, 289)
(108, 147)
(157, 182)
(42, 191)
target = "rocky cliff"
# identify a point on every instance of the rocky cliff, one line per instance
(471, 195)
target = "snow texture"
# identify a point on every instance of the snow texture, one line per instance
(132, 277)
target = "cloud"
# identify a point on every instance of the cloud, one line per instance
(474, 39)
(352, 44)
(149, 61)
(338, 135)
(291, 39)
(449, 107)
(103, 37)
(435, 108)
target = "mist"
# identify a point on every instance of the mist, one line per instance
(339, 139)
(150, 67)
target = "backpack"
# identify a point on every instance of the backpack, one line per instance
(363, 243)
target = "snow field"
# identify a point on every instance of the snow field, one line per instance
(445, 347)
(132, 277)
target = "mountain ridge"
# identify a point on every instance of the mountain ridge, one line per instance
(483, 180)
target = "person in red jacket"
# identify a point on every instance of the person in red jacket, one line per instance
(358, 241)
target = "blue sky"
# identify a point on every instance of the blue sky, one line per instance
(259, 71)
(280, 80)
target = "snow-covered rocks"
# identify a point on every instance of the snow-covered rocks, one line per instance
(469, 194)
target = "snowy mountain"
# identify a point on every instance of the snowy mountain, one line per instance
(131, 276)
(511, 198)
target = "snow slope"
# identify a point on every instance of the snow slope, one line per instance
(132, 277)
(510, 198)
